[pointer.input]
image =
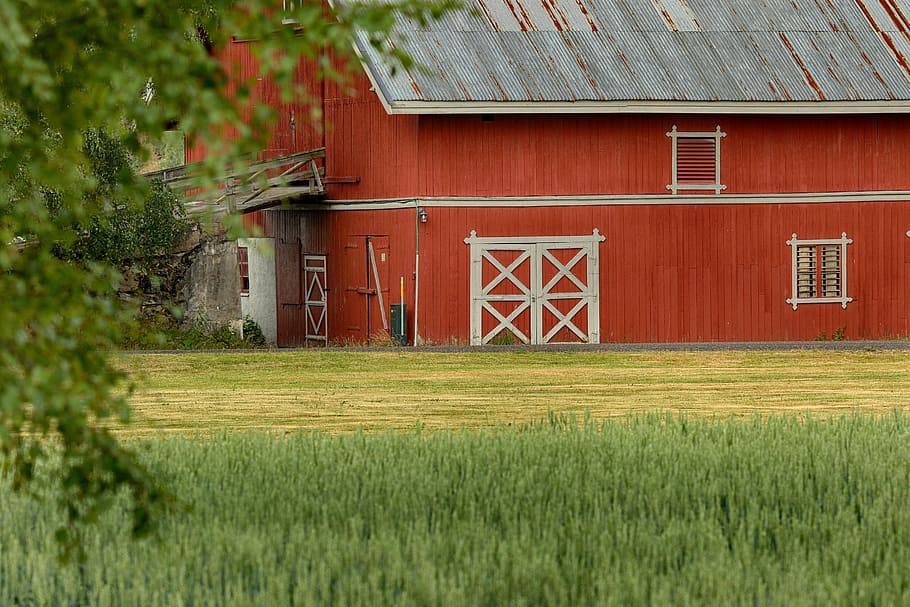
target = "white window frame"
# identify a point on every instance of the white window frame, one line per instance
(243, 263)
(288, 6)
(675, 135)
(794, 243)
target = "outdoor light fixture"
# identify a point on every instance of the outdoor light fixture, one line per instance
(422, 214)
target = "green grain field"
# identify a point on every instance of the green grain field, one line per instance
(505, 479)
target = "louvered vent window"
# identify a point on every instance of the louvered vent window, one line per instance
(696, 161)
(819, 271)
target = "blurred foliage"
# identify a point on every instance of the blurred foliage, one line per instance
(82, 85)
(124, 229)
(165, 153)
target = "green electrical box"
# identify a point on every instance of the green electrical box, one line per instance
(399, 330)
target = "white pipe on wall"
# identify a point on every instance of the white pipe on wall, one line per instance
(416, 266)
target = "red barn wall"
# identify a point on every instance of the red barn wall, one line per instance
(532, 155)
(668, 273)
(363, 141)
(395, 156)
(392, 233)
(341, 237)
(307, 132)
(602, 154)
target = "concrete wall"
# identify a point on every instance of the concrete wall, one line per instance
(212, 284)
(260, 303)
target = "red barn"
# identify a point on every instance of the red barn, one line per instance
(610, 171)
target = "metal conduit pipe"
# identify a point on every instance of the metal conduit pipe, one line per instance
(416, 266)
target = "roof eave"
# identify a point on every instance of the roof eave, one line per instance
(376, 84)
(645, 107)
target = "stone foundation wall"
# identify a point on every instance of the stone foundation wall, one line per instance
(200, 279)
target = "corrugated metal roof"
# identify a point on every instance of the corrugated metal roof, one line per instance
(654, 50)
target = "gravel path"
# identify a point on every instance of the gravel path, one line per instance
(689, 347)
(771, 346)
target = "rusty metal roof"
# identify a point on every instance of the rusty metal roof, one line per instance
(506, 52)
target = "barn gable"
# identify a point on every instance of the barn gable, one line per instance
(775, 56)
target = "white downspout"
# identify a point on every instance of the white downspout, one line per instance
(416, 266)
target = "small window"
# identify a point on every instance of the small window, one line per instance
(819, 271)
(288, 7)
(244, 270)
(696, 161)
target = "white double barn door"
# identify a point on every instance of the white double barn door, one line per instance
(535, 290)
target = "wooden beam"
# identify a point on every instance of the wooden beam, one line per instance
(238, 169)
(337, 180)
(249, 187)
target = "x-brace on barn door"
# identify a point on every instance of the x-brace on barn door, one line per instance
(535, 290)
(314, 299)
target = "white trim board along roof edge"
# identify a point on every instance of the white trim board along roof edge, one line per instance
(643, 107)
(876, 196)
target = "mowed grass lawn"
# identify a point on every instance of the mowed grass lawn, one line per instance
(341, 391)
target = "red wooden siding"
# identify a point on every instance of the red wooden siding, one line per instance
(668, 273)
(354, 316)
(342, 238)
(393, 156)
(296, 235)
(307, 132)
(362, 141)
(598, 154)
(534, 155)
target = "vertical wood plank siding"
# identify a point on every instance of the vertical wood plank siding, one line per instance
(668, 273)
(533, 155)
(395, 156)
(296, 234)
(283, 140)
(398, 156)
